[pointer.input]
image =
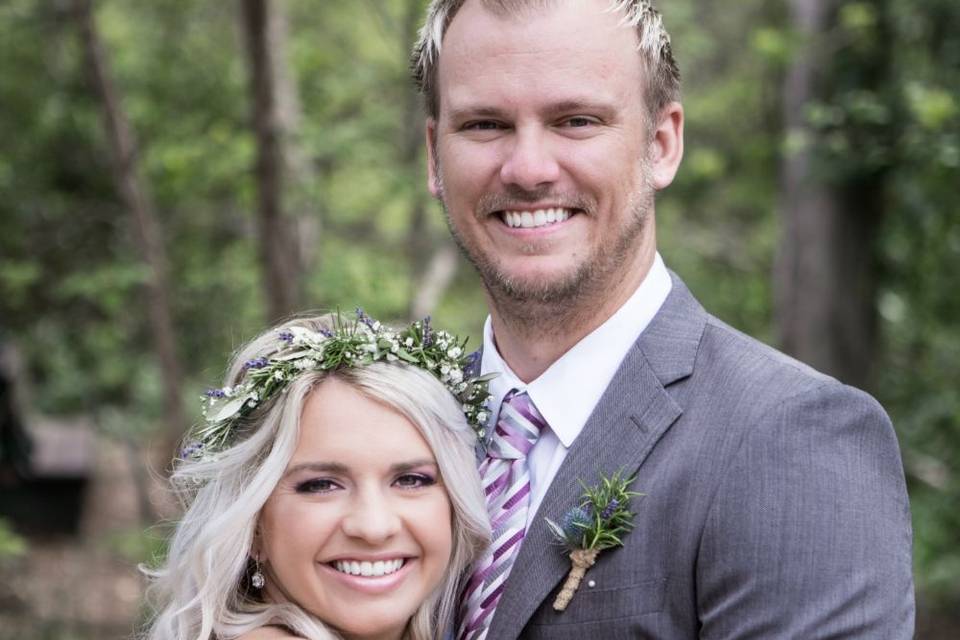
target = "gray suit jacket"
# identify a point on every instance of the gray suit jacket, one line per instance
(775, 501)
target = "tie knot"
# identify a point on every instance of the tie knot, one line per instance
(518, 427)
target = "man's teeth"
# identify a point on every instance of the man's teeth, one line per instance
(368, 569)
(533, 219)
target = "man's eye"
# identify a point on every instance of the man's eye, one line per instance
(414, 481)
(481, 125)
(578, 121)
(317, 485)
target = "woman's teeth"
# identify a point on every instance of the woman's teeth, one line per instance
(368, 569)
(534, 219)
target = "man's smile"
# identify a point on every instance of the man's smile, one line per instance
(535, 218)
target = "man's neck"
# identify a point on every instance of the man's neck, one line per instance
(529, 348)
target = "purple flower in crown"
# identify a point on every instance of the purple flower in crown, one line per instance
(472, 367)
(215, 393)
(191, 450)
(365, 319)
(286, 336)
(256, 363)
(326, 333)
(427, 332)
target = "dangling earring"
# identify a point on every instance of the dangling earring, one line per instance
(257, 580)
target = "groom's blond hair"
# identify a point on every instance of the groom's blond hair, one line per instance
(662, 76)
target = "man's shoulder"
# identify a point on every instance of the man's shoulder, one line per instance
(752, 359)
(736, 364)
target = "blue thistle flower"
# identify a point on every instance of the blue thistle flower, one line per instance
(574, 521)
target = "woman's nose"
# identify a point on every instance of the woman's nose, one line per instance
(371, 517)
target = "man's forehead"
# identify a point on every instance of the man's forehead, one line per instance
(530, 9)
(480, 21)
(477, 19)
(566, 32)
(506, 8)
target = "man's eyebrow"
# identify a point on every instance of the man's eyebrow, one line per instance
(577, 105)
(585, 106)
(463, 113)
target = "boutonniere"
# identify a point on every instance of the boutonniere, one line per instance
(599, 522)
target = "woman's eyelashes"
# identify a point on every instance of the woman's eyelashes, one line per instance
(317, 485)
(328, 485)
(415, 480)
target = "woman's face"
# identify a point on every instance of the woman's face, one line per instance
(358, 530)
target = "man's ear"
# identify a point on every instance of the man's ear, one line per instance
(666, 146)
(433, 180)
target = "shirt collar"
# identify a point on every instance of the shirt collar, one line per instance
(567, 392)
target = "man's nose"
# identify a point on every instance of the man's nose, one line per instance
(529, 162)
(372, 517)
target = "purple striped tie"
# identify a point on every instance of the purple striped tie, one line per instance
(506, 482)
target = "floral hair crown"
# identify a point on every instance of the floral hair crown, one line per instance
(348, 344)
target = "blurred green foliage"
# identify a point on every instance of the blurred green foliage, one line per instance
(71, 278)
(11, 545)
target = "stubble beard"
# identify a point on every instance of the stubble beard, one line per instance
(551, 307)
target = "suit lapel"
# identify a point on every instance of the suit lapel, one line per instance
(634, 412)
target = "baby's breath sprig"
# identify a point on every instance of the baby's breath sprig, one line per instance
(349, 344)
(599, 522)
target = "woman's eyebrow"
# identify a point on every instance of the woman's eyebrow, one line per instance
(339, 468)
(410, 465)
(320, 467)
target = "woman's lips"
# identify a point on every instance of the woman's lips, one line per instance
(371, 584)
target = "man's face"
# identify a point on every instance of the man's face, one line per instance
(540, 149)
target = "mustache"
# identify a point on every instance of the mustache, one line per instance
(516, 198)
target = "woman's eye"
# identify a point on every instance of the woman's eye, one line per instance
(414, 481)
(317, 485)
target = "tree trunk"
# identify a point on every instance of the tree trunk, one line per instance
(299, 175)
(434, 281)
(433, 261)
(825, 275)
(133, 190)
(273, 105)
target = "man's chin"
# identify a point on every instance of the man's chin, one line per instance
(536, 286)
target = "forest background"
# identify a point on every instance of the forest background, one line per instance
(175, 174)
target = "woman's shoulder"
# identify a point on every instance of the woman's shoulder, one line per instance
(269, 633)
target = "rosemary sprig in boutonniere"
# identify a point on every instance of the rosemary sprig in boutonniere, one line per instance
(599, 522)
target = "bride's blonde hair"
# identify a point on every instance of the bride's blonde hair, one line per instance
(202, 589)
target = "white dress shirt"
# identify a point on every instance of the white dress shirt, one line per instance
(567, 392)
